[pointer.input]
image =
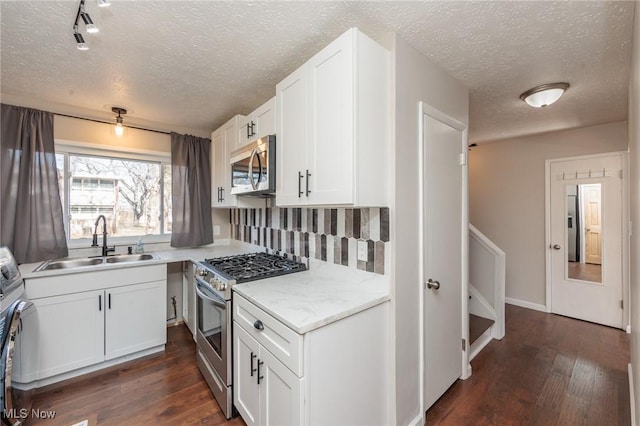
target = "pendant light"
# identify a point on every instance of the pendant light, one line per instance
(119, 129)
(544, 95)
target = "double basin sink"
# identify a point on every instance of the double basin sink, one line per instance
(51, 265)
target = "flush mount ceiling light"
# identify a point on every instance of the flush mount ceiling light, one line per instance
(544, 95)
(103, 3)
(119, 129)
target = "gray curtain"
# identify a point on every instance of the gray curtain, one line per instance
(31, 221)
(191, 191)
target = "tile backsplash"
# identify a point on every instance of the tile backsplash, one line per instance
(331, 235)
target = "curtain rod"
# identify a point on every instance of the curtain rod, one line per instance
(108, 122)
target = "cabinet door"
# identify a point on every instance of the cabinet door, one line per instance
(71, 330)
(280, 393)
(291, 143)
(265, 119)
(230, 135)
(244, 135)
(331, 142)
(217, 167)
(135, 318)
(246, 393)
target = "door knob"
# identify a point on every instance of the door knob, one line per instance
(556, 246)
(433, 285)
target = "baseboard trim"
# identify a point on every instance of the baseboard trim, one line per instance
(632, 396)
(525, 304)
(480, 343)
(418, 421)
(628, 329)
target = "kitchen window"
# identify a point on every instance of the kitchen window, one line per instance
(132, 190)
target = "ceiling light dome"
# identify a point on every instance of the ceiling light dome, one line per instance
(544, 95)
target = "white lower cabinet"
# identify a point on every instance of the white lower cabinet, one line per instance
(85, 324)
(335, 374)
(135, 318)
(265, 391)
(71, 332)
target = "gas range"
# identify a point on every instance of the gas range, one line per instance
(213, 281)
(221, 273)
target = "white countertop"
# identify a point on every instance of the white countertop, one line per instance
(324, 294)
(162, 257)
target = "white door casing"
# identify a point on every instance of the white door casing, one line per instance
(598, 302)
(444, 225)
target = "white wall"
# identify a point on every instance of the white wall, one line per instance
(634, 157)
(416, 79)
(507, 196)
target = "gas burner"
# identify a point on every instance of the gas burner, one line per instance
(254, 266)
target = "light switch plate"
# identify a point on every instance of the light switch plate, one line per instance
(363, 251)
(216, 230)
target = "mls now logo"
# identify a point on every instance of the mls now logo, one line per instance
(35, 413)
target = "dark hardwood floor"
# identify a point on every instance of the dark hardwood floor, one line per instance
(547, 370)
(585, 271)
(163, 389)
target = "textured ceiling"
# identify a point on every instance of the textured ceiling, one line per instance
(193, 64)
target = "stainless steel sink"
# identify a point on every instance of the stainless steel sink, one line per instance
(51, 265)
(130, 258)
(67, 264)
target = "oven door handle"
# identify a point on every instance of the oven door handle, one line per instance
(208, 298)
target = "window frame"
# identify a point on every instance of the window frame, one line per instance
(67, 148)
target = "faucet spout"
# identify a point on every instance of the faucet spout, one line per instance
(105, 248)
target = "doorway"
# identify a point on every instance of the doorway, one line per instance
(585, 242)
(444, 228)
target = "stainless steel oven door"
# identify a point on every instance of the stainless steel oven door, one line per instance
(213, 333)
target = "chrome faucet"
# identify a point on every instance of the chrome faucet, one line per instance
(105, 249)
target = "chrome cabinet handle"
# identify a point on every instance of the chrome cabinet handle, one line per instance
(307, 182)
(556, 247)
(433, 285)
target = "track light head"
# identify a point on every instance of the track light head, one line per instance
(80, 44)
(88, 23)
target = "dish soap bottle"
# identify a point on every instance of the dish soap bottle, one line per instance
(139, 246)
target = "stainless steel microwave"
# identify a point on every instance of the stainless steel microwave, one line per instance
(253, 170)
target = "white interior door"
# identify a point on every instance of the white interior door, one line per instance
(443, 257)
(591, 287)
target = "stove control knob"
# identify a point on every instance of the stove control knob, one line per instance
(213, 281)
(223, 286)
(201, 272)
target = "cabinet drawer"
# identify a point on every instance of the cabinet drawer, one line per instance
(284, 343)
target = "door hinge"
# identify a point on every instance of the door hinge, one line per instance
(622, 304)
(464, 345)
(462, 159)
(621, 173)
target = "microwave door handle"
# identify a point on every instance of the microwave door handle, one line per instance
(253, 154)
(208, 298)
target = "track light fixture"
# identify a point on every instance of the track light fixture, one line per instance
(119, 129)
(88, 23)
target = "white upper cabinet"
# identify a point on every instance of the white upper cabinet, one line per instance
(332, 126)
(259, 123)
(224, 141)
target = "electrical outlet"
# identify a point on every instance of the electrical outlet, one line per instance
(363, 251)
(216, 230)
